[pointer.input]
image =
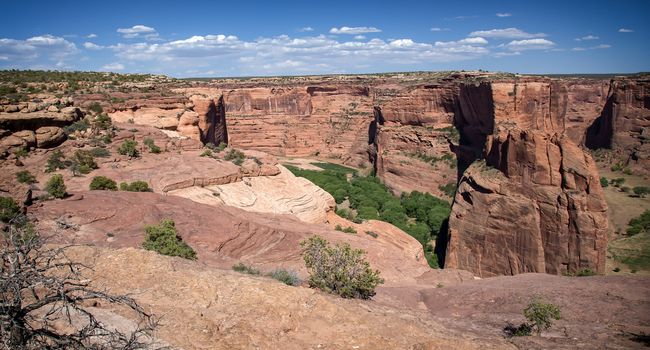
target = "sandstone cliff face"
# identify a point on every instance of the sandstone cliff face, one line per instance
(534, 205)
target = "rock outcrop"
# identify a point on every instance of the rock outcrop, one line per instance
(533, 205)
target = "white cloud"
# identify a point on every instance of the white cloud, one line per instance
(306, 29)
(507, 33)
(438, 29)
(504, 14)
(113, 66)
(506, 53)
(597, 47)
(92, 46)
(625, 30)
(588, 37)
(359, 37)
(43, 50)
(476, 40)
(91, 36)
(138, 31)
(529, 44)
(354, 30)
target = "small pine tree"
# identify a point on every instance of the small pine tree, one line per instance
(55, 186)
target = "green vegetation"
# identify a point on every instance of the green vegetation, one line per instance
(335, 167)
(372, 234)
(604, 182)
(8, 209)
(641, 191)
(235, 156)
(633, 251)
(82, 162)
(25, 177)
(447, 158)
(339, 269)
(215, 148)
(100, 152)
(452, 133)
(449, 189)
(55, 186)
(287, 277)
(617, 182)
(206, 153)
(55, 161)
(639, 224)
(373, 201)
(102, 183)
(129, 148)
(243, 268)
(540, 316)
(42, 76)
(79, 125)
(152, 146)
(21, 153)
(617, 167)
(135, 186)
(162, 238)
(95, 107)
(102, 122)
(346, 230)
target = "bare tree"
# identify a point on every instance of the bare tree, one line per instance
(44, 299)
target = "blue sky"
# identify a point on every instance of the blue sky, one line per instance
(246, 38)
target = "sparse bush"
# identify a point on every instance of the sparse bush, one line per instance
(55, 162)
(21, 153)
(585, 272)
(100, 152)
(9, 209)
(235, 156)
(25, 177)
(206, 153)
(540, 316)
(135, 186)
(79, 125)
(95, 107)
(372, 234)
(289, 278)
(151, 145)
(243, 268)
(222, 146)
(83, 162)
(523, 330)
(617, 182)
(129, 148)
(102, 122)
(448, 189)
(604, 182)
(102, 183)
(55, 186)
(639, 224)
(346, 230)
(163, 239)
(339, 269)
(641, 191)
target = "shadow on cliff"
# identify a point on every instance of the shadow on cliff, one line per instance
(600, 133)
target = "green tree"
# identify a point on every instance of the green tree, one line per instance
(339, 269)
(55, 186)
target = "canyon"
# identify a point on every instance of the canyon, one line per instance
(517, 157)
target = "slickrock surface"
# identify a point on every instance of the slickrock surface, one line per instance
(279, 194)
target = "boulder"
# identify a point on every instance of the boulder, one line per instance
(49, 136)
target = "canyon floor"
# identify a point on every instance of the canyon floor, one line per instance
(240, 202)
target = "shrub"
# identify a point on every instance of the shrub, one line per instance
(135, 186)
(625, 189)
(540, 316)
(585, 272)
(55, 161)
(339, 269)
(243, 268)
(95, 107)
(522, 330)
(641, 191)
(8, 209)
(639, 224)
(617, 182)
(289, 278)
(152, 146)
(206, 153)
(163, 239)
(129, 148)
(83, 161)
(449, 189)
(25, 177)
(222, 146)
(21, 153)
(102, 122)
(55, 186)
(346, 230)
(100, 152)
(372, 234)
(79, 125)
(604, 182)
(235, 156)
(102, 183)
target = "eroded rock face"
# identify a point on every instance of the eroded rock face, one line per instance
(534, 205)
